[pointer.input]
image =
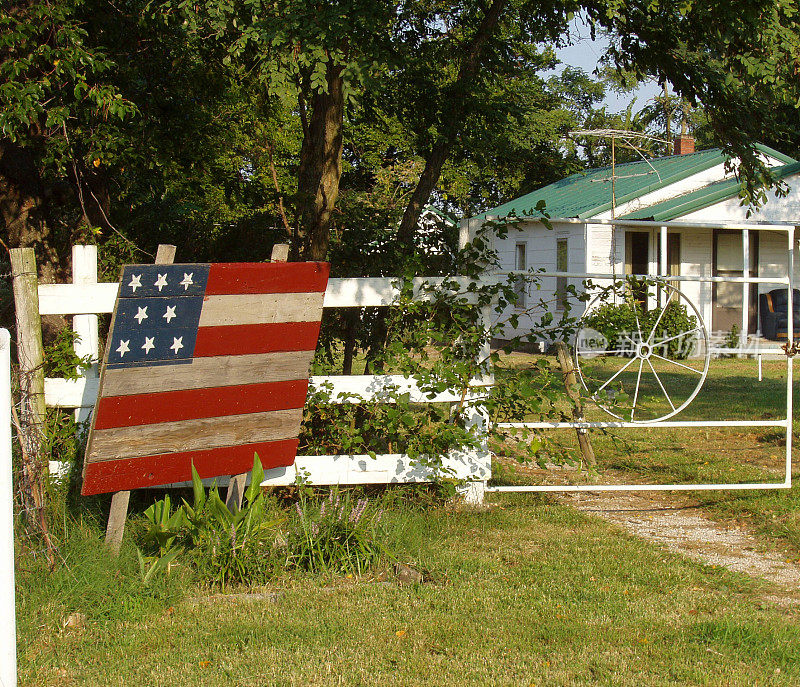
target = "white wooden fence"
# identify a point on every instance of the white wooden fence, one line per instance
(85, 298)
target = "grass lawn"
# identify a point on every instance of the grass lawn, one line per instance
(524, 593)
(708, 455)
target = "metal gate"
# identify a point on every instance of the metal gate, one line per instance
(642, 352)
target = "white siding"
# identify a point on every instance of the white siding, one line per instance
(696, 261)
(785, 209)
(541, 245)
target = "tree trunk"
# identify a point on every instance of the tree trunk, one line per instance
(455, 114)
(24, 206)
(351, 317)
(321, 168)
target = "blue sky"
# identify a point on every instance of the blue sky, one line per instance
(585, 53)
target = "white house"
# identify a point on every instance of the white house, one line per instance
(685, 188)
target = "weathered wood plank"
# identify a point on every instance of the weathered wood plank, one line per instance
(571, 384)
(152, 471)
(256, 338)
(210, 372)
(192, 435)
(30, 355)
(261, 308)
(259, 277)
(174, 406)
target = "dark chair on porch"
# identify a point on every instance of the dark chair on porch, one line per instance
(774, 309)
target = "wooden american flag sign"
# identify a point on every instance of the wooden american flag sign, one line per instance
(204, 364)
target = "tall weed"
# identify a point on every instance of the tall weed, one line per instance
(335, 534)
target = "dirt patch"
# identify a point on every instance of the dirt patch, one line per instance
(687, 530)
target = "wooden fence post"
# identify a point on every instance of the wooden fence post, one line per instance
(165, 255)
(570, 382)
(30, 355)
(236, 483)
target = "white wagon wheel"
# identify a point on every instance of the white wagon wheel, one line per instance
(637, 354)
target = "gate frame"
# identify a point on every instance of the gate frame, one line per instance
(745, 280)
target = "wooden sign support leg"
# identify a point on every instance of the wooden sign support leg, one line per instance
(571, 383)
(237, 483)
(165, 255)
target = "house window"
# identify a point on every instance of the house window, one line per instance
(562, 265)
(637, 261)
(673, 259)
(521, 265)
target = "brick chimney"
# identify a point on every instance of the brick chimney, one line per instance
(683, 145)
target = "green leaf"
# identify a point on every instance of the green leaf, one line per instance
(198, 489)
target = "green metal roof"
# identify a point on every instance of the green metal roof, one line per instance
(712, 194)
(588, 193)
(441, 214)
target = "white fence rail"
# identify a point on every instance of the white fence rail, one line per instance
(85, 298)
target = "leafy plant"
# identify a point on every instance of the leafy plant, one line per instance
(335, 534)
(439, 333)
(60, 359)
(621, 324)
(732, 337)
(221, 546)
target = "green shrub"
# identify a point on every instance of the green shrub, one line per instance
(618, 324)
(675, 320)
(615, 323)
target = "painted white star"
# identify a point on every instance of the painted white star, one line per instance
(148, 344)
(187, 280)
(136, 281)
(176, 344)
(141, 315)
(161, 282)
(170, 314)
(124, 347)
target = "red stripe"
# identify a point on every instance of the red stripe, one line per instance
(150, 471)
(254, 277)
(188, 404)
(256, 338)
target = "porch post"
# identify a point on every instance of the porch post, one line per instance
(745, 288)
(663, 265)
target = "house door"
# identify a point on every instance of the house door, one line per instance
(637, 261)
(727, 298)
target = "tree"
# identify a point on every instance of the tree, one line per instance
(56, 110)
(737, 59)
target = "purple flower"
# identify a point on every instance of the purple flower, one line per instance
(358, 511)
